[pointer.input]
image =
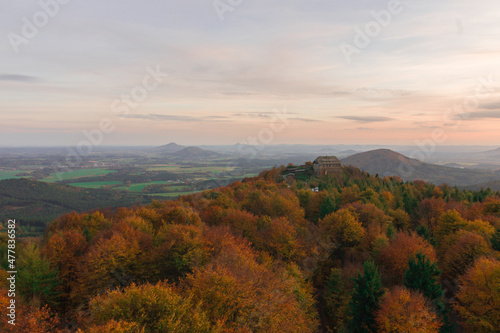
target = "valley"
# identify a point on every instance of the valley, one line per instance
(113, 177)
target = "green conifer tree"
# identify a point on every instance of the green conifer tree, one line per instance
(423, 275)
(327, 207)
(495, 241)
(365, 299)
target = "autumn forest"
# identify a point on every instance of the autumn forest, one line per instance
(363, 254)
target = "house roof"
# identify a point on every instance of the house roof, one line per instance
(326, 160)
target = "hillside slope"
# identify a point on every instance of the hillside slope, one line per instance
(37, 203)
(172, 147)
(386, 162)
(195, 153)
(493, 185)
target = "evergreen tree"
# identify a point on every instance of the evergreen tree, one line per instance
(423, 275)
(37, 279)
(391, 231)
(495, 241)
(327, 207)
(423, 232)
(365, 299)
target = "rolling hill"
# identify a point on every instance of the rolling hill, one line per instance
(195, 153)
(494, 152)
(172, 147)
(493, 185)
(386, 162)
(37, 203)
(186, 153)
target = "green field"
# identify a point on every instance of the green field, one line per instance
(178, 187)
(95, 184)
(10, 174)
(173, 194)
(140, 186)
(182, 169)
(250, 175)
(74, 174)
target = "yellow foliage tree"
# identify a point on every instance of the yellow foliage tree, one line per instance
(478, 300)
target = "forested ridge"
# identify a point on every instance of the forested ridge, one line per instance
(37, 203)
(364, 254)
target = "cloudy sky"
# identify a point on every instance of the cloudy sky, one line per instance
(205, 72)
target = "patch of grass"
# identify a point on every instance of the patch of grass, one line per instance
(10, 174)
(140, 186)
(75, 174)
(250, 175)
(189, 169)
(177, 187)
(172, 194)
(95, 184)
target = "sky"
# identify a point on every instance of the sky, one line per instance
(123, 72)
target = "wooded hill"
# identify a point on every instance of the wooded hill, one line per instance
(364, 254)
(37, 203)
(386, 162)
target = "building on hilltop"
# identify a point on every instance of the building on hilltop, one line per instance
(325, 165)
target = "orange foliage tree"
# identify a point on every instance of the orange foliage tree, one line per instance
(395, 257)
(406, 311)
(430, 210)
(242, 223)
(28, 319)
(281, 240)
(178, 249)
(462, 252)
(108, 264)
(64, 249)
(244, 295)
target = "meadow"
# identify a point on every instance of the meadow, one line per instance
(75, 174)
(10, 174)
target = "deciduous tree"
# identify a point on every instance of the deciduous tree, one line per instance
(402, 247)
(478, 300)
(406, 311)
(156, 308)
(462, 253)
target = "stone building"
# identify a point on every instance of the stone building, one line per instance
(325, 165)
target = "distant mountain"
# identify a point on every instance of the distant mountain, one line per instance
(346, 153)
(454, 165)
(490, 155)
(495, 153)
(386, 162)
(172, 147)
(494, 185)
(195, 153)
(37, 203)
